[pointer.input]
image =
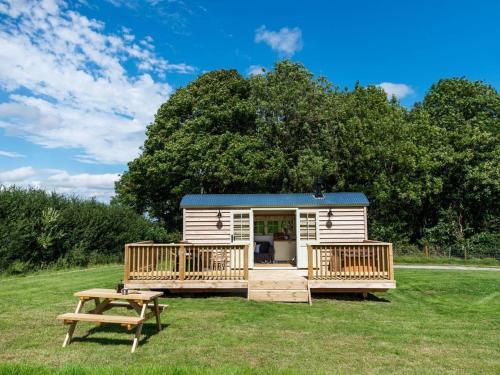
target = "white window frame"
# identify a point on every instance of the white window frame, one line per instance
(316, 216)
(250, 227)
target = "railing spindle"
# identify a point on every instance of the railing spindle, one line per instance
(383, 263)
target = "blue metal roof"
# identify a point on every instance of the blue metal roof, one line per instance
(273, 200)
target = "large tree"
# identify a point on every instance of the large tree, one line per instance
(387, 153)
(279, 132)
(468, 117)
(223, 133)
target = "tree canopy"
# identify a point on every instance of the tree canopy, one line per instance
(428, 169)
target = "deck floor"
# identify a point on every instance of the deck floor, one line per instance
(282, 279)
(276, 274)
(274, 265)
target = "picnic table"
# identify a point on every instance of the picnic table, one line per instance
(106, 299)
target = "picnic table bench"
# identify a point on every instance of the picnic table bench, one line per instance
(140, 301)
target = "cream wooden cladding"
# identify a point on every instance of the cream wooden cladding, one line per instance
(202, 226)
(343, 225)
(346, 224)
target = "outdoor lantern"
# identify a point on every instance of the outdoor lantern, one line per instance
(219, 221)
(329, 223)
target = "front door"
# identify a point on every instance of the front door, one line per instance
(307, 234)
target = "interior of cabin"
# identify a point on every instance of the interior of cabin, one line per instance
(274, 238)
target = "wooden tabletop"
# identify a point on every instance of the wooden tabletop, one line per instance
(111, 293)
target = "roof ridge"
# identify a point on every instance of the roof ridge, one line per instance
(306, 193)
(289, 200)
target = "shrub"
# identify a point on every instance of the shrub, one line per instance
(484, 245)
(406, 249)
(38, 229)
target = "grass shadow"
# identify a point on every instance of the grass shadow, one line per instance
(206, 294)
(148, 330)
(348, 297)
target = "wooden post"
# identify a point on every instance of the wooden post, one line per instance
(245, 262)
(126, 271)
(309, 262)
(390, 266)
(182, 262)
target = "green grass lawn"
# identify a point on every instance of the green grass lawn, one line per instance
(422, 259)
(435, 322)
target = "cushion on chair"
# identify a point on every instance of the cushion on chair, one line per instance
(264, 247)
(257, 248)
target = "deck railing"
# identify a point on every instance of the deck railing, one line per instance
(351, 261)
(149, 261)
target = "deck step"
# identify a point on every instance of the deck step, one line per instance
(277, 284)
(279, 295)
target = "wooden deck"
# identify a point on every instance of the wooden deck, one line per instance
(361, 267)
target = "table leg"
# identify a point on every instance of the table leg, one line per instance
(101, 307)
(157, 314)
(139, 328)
(72, 326)
(135, 306)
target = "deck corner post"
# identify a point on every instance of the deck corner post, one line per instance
(245, 262)
(309, 262)
(391, 263)
(126, 270)
(182, 262)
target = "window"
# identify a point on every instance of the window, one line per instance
(241, 227)
(308, 226)
(273, 226)
(259, 227)
(288, 226)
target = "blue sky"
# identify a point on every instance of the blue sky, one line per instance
(80, 80)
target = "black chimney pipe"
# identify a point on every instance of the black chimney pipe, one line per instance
(319, 184)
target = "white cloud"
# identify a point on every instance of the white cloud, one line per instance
(399, 90)
(10, 154)
(285, 41)
(99, 186)
(67, 82)
(255, 70)
(16, 175)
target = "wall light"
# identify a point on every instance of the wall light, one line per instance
(219, 221)
(329, 223)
